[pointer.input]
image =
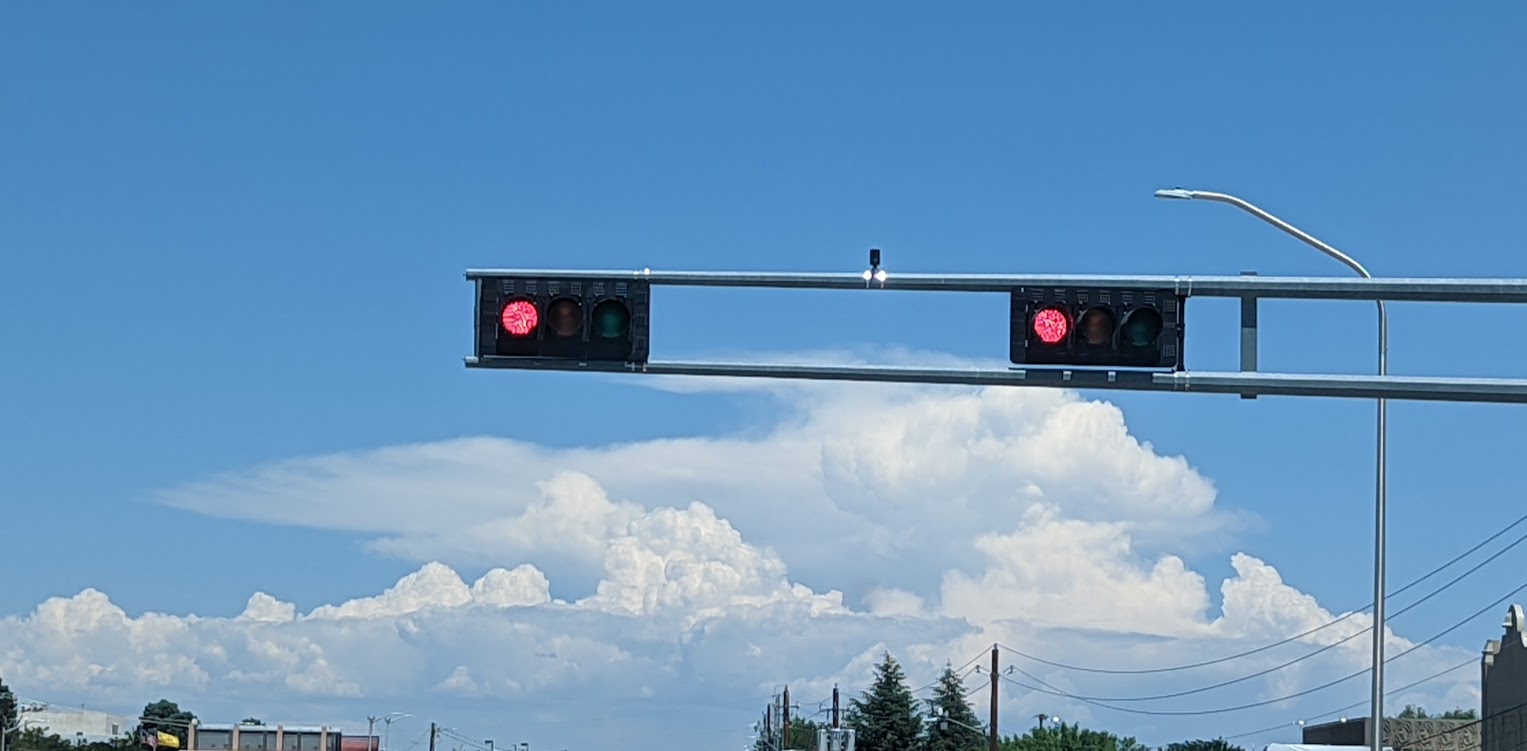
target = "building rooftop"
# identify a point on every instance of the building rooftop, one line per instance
(264, 728)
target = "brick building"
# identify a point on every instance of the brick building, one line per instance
(215, 737)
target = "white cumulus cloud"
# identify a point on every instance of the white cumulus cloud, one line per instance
(695, 575)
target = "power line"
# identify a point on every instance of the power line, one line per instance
(961, 670)
(1294, 638)
(972, 670)
(461, 739)
(1053, 691)
(1508, 710)
(1354, 705)
(1439, 590)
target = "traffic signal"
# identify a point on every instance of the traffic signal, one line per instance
(547, 318)
(1097, 327)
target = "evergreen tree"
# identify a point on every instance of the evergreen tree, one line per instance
(887, 717)
(954, 725)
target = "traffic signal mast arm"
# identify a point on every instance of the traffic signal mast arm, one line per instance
(605, 324)
(1496, 390)
(1285, 287)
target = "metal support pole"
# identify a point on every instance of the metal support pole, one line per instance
(1380, 521)
(1248, 335)
(1285, 287)
(1492, 390)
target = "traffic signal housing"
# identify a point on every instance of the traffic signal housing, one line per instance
(547, 318)
(1097, 327)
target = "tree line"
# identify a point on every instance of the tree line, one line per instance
(888, 717)
(160, 716)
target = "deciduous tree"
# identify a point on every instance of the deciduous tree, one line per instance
(7, 713)
(166, 716)
(1218, 744)
(1069, 738)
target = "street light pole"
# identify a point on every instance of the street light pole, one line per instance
(387, 721)
(1380, 521)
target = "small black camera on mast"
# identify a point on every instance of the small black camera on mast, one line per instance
(874, 272)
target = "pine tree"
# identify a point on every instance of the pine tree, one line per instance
(887, 717)
(961, 731)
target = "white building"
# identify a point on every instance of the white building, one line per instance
(78, 725)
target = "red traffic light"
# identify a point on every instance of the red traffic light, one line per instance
(1051, 325)
(520, 317)
(1096, 327)
(574, 318)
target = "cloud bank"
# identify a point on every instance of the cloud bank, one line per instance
(680, 581)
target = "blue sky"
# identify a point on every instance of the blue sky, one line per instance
(234, 235)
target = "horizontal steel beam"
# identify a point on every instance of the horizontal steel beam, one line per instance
(1411, 388)
(1290, 287)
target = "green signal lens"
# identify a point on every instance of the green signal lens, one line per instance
(612, 319)
(1141, 327)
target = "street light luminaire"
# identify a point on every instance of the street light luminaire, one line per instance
(1177, 193)
(1381, 482)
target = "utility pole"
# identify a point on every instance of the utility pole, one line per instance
(784, 738)
(433, 730)
(835, 716)
(993, 741)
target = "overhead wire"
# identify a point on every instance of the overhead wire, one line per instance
(1354, 705)
(128, 716)
(1287, 640)
(1420, 742)
(1439, 590)
(459, 738)
(963, 671)
(1053, 691)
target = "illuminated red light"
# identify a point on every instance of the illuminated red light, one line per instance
(1051, 325)
(520, 318)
